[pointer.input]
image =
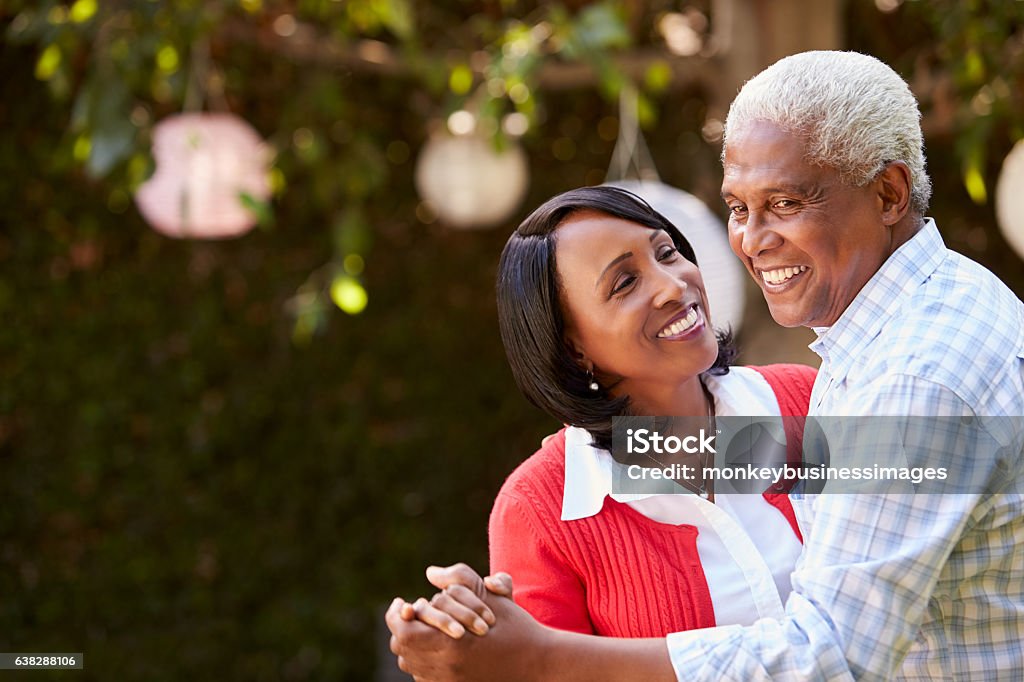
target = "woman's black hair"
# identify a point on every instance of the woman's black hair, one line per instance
(530, 312)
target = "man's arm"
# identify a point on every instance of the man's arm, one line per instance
(871, 562)
(857, 605)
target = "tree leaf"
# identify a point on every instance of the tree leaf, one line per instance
(600, 27)
(105, 116)
(398, 17)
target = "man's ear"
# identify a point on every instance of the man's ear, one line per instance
(893, 185)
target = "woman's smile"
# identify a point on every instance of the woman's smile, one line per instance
(685, 325)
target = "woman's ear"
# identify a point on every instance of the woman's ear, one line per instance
(894, 185)
(576, 352)
(572, 343)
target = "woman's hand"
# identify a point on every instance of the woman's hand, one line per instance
(459, 606)
(428, 637)
(429, 640)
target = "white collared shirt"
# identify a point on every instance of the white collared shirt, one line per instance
(747, 548)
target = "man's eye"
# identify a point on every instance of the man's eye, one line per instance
(785, 203)
(738, 209)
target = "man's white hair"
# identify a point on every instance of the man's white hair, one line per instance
(855, 113)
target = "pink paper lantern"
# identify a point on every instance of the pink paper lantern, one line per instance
(204, 164)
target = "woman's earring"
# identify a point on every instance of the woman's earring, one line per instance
(592, 382)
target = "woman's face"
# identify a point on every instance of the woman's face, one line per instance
(635, 308)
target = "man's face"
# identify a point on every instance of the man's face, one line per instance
(810, 241)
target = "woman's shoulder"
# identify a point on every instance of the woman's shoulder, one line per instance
(786, 372)
(763, 390)
(791, 383)
(542, 474)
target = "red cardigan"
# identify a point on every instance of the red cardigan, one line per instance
(617, 573)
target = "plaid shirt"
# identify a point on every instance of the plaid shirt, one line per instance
(916, 587)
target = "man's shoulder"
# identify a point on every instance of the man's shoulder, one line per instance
(961, 304)
(960, 328)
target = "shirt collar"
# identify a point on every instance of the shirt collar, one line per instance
(588, 475)
(911, 264)
(590, 471)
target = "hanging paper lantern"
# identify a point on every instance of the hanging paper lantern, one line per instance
(206, 166)
(468, 183)
(723, 275)
(1010, 198)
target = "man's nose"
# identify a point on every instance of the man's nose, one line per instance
(753, 237)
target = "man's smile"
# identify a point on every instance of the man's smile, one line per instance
(776, 280)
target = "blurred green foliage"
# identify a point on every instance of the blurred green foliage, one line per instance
(122, 66)
(192, 488)
(965, 60)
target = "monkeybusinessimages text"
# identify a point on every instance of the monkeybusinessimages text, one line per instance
(647, 442)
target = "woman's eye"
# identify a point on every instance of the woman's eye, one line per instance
(667, 253)
(623, 284)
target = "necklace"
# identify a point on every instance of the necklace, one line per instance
(703, 458)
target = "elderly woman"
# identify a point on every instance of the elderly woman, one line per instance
(603, 313)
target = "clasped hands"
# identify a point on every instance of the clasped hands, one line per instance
(470, 630)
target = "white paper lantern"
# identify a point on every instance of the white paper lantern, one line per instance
(723, 275)
(1010, 198)
(468, 183)
(204, 164)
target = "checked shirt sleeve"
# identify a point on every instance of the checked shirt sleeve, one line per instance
(876, 573)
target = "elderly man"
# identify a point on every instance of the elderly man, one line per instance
(824, 177)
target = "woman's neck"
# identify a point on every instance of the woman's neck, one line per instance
(687, 398)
